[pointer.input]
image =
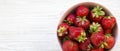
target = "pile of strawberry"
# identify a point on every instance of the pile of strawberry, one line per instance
(87, 29)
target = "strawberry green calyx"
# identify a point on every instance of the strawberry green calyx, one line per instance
(89, 47)
(82, 37)
(82, 19)
(68, 22)
(102, 46)
(107, 35)
(98, 11)
(94, 27)
(61, 30)
(109, 17)
(105, 44)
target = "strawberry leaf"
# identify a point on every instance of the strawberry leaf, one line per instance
(102, 46)
(98, 11)
(107, 35)
(82, 19)
(61, 30)
(82, 38)
(94, 27)
(89, 47)
(105, 44)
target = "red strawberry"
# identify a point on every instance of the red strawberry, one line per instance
(77, 33)
(62, 29)
(98, 49)
(82, 11)
(96, 14)
(108, 23)
(70, 19)
(97, 39)
(70, 46)
(82, 22)
(96, 27)
(109, 42)
(85, 46)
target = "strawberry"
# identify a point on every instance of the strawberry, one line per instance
(96, 14)
(97, 39)
(96, 27)
(98, 49)
(85, 46)
(109, 42)
(82, 11)
(77, 33)
(70, 46)
(82, 22)
(70, 19)
(62, 29)
(108, 23)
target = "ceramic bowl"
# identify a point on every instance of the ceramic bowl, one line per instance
(90, 5)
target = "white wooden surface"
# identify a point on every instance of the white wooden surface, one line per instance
(30, 25)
